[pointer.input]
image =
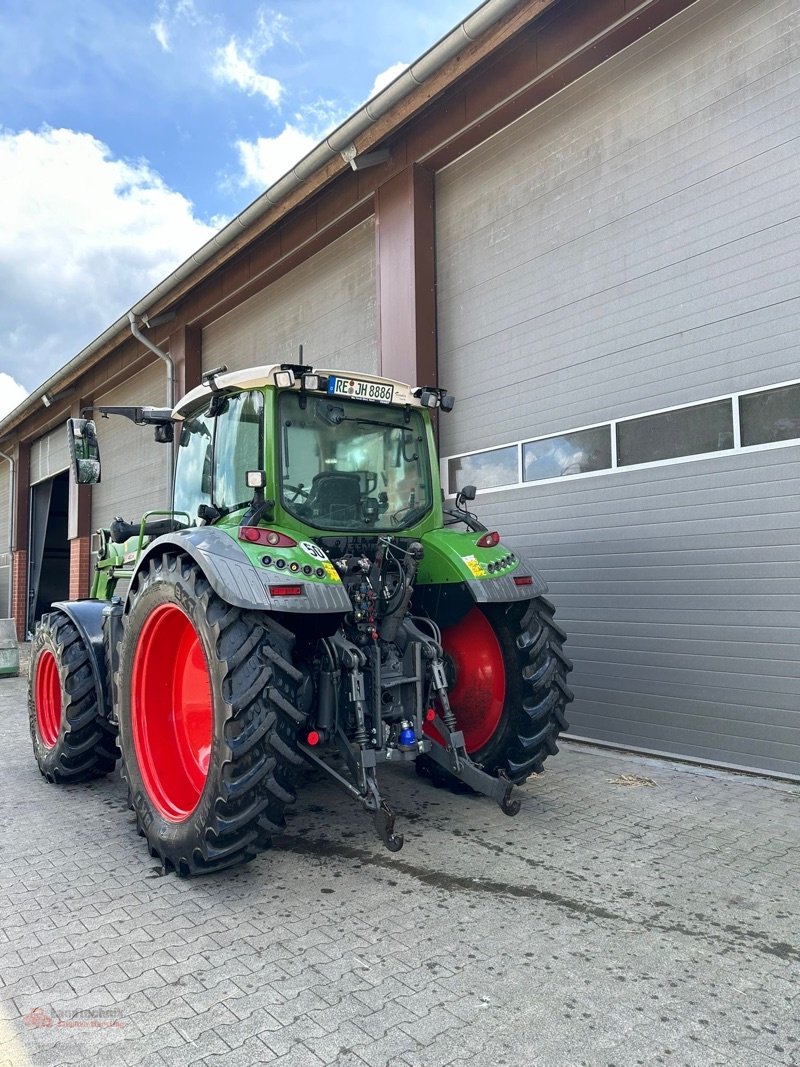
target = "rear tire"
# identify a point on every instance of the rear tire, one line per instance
(73, 741)
(510, 687)
(208, 720)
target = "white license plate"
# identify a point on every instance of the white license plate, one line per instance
(357, 389)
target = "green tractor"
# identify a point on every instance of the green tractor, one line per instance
(307, 600)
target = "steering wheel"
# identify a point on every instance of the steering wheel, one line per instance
(298, 491)
(398, 516)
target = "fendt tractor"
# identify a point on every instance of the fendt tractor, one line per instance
(308, 599)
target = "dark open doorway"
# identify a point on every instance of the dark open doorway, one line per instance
(49, 546)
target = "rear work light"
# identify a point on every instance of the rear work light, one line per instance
(286, 590)
(258, 536)
(523, 579)
(489, 540)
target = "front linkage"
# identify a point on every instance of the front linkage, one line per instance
(379, 680)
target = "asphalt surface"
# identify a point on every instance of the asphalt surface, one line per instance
(635, 912)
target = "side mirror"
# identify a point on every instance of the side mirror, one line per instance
(467, 493)
(84, 451)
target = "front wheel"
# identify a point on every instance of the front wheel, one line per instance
(73, 741)
(207, 720)
(509, 691)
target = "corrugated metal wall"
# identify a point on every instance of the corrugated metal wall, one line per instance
(5, 538)
(327, 304)
(135, 472)
(49, 454)
(630, 245)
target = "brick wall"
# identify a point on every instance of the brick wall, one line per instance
(19, 594)
(79, 566)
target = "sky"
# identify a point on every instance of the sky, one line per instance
(132, 130)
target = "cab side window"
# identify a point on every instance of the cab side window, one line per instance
(193, 465)
(215, 453)
(237, 449)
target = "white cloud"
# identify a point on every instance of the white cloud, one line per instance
(85, 236)
(386, 77)
(237, 62)
(11, 394)
(169, 14)
(268, 158)
(161, 31)
(237, 69)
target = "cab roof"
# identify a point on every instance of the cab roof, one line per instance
(258, 377)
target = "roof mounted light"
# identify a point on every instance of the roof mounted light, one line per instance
(431, 396)
(315, 381)
(284, 379)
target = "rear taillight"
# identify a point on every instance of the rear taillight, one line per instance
(523, 579)
(255, 535)
(489, 540)
(286, 590)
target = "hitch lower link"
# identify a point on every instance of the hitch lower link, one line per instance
(454, 758)
(361, 760)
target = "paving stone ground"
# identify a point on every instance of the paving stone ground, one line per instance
(635, 912)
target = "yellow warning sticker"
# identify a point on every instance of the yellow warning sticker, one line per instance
(474, 566)
(331, 571)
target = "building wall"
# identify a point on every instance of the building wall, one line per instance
(135, 471)
(327, 304)
(5, 534)
(631, 245)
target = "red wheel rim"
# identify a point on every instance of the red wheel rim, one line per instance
(171, 712)
(47, 696)
(479, 693)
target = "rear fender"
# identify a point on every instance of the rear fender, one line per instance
(454, 575)
(238, 581)
(87, 617)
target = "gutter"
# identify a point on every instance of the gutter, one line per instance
(338, 144)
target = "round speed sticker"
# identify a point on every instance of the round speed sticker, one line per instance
(313, 550)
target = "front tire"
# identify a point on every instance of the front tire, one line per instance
(207, 718)
(510, 687)
(73, 741)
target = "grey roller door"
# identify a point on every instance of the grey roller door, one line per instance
(632, 245)
(327, 304)
(49, 454)
(135, 472)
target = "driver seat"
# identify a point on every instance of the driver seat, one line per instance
(335, 494)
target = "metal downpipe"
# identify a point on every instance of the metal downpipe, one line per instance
(162, 355)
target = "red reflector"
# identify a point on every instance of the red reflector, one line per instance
(312, 738)
(430, 715)
(286, 590)
(258, 536)
(523, 579)
(489, 540)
